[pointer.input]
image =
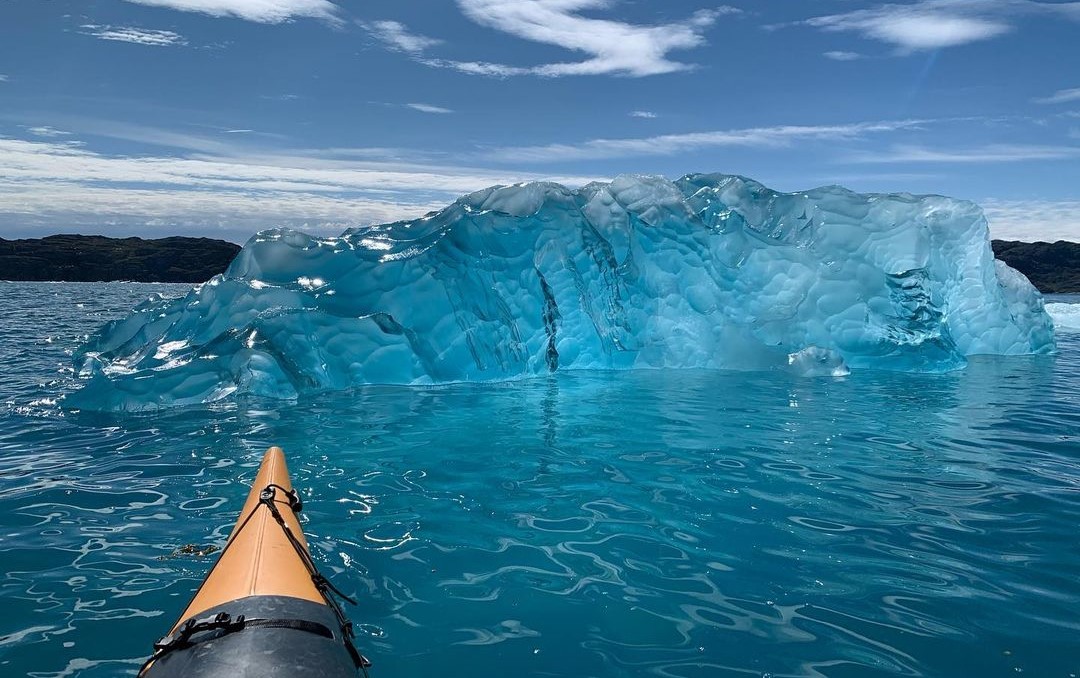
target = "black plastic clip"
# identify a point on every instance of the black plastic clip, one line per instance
(270, 491)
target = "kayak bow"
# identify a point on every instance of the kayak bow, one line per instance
(263, 610)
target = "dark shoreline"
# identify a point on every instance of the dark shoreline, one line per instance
(1053, 268)
(95, 258)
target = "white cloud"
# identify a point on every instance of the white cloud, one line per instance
(428, 108)
(1061, 96)
(992, 153)
(138, 36)
(3, 78)
(843, 56)
(1033, 220)
(642, 114)
(397, 37)
(912, 29)
(671, 144)
(936, 24)
(46, 131)
(478, 67)
(610, 47)
(261, 11)
(54, 181)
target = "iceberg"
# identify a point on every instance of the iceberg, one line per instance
(709, 271)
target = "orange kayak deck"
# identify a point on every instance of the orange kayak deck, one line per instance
(258, 559)
(258, 613)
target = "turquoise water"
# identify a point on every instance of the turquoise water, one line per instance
(588, 524)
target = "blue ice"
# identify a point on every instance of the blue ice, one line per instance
(710, 271)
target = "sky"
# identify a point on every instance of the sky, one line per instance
(220, 118)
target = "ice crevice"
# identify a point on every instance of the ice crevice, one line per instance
(709, 271)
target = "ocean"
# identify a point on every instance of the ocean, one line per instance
(609, 524)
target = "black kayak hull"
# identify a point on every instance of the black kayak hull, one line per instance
(310, 648)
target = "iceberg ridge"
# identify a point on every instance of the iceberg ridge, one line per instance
(710, 271)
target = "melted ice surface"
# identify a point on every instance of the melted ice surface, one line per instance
(710, 271)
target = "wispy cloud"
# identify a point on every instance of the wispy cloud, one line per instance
(1061, 96)
(261, 11)
(479, 67)
(397, 37)
(670, 144)
(428, 108)
(3, 78)
(880, 181)
(46, 131)
(147, 134)
(649, 115)
(138, 36)
(843, 56)
(610, 46)
(63, 182)
(1033, 220)
(230, 214)
(936, 24)
(319, 170)
(992, 153)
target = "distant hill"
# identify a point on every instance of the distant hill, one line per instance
(91, 258)
(1051, 267)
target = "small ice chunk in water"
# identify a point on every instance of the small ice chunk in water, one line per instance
(818, 362)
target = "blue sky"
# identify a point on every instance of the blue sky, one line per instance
(222, 117)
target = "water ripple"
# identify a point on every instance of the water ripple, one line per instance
(668, 524)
